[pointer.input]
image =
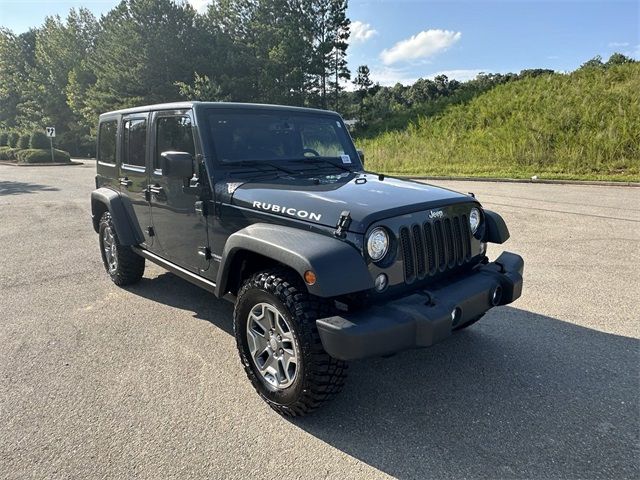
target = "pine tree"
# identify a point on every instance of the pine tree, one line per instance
(363, 84)
(330, 36)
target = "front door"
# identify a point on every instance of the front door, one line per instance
(134, 172)
(180, 232)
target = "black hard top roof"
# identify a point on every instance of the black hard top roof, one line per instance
(207, 105)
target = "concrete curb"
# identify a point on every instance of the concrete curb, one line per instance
(50, 164)
(603, 183)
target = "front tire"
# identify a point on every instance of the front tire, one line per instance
(279, 344)
(123, 265)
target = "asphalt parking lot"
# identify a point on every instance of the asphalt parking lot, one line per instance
(145, 382)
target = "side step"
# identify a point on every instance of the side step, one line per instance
(177, 270)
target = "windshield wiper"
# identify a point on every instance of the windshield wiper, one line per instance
(317, 160)
(258, 163)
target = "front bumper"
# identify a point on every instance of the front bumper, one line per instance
(424, 318)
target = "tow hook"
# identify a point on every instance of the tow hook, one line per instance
(343, 224)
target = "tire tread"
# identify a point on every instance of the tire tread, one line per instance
(130, 265)
(325, 375)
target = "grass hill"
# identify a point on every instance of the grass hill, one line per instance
(582, 125)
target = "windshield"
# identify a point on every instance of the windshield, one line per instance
(270, 136)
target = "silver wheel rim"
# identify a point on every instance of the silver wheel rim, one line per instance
(110, 251)
(272, 346)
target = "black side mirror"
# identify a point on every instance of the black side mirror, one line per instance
(177, 164)
(361, 155)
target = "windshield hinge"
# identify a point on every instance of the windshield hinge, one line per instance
(343, 224)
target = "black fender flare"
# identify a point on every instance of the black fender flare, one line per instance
(496, 229)
(339, 266)
(122, 215)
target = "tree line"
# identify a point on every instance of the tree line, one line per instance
(66, 72)
(293, 52)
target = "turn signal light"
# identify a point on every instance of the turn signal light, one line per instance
(310, 277)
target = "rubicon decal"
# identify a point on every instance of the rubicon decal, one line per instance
(294, 212)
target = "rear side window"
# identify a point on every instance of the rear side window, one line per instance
(107, 141)
(135, 142)
(174, 134)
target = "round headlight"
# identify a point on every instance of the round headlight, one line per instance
(474, 220)
(378, 243)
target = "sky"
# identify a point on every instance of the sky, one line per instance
(403, 40)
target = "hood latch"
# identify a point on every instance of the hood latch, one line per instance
(343, 224)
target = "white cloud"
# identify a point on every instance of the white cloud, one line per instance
(389, 76)
(618, 44)
(423, 45)
(361, 32)
(461, 75)
(199, 5)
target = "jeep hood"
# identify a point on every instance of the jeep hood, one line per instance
(321, 199)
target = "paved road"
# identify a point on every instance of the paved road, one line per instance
(144, 382)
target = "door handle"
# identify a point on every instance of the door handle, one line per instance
(125, 182)
(155, 189)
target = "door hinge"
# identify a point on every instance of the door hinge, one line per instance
(205, 252)
(201, 208)
(151, 232)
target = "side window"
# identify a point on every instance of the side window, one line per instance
(173, 134)
(107, 141)
(135, 142)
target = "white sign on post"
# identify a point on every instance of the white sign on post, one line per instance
(51, 133)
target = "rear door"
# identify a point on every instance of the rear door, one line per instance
(180, 232)
(134, 171)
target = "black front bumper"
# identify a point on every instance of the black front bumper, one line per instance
(424, 318)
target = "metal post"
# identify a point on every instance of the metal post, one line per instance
(51, 143)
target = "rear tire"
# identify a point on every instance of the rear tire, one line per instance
(274, 324)
(123, 265)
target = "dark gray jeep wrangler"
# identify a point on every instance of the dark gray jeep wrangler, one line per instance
(270, 207)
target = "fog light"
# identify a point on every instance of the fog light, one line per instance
(496, 296)
(310, 277)
(456, 314)
(381, 282)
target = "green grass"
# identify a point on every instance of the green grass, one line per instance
(584, 125)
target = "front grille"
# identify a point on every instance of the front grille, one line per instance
(435, 247)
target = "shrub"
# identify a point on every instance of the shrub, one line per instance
(8, 153)
(36, 155)
(12, 139)
(4, 138)
(39, 140)
(23, 142)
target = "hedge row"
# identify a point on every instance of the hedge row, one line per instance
(34, 155)
(15, 140)
(8, 153)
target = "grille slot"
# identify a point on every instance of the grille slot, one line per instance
(419, 249)
(440, 248)
(430, 249)
(407, 252)
(435, 246)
